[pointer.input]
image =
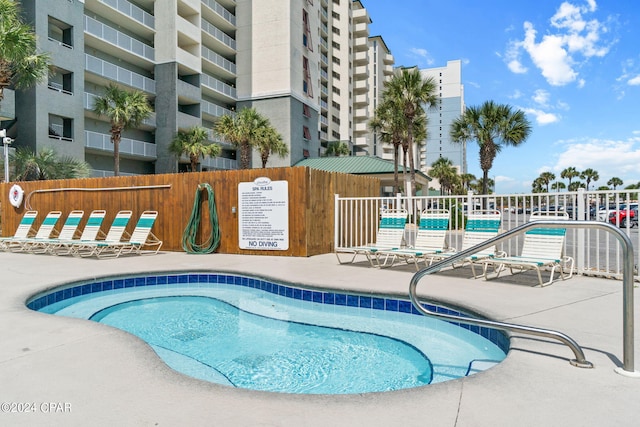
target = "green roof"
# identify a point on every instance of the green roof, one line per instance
(357, 165)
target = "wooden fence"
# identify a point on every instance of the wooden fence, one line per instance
(311, 203)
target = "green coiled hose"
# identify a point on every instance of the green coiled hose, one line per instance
(189, 243)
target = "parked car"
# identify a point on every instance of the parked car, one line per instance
(604, 211)
(620, 217)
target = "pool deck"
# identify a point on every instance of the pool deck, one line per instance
(96, 375)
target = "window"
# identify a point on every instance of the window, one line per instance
(335, 16)
(307, 88)
(306, 133)
(306, 111)
(61, 80)
(335, 30)
(60, 32)
(60, 128)
(306, 33)
(335, 120)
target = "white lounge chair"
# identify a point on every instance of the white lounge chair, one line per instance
(116, 234)
(89, 233)
(542, 249)
(68, 231)
(430, 240)
(481, 226)
(46, 230)
(25, 229)
(389, 236)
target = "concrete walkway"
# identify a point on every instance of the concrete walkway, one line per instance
(73, 372)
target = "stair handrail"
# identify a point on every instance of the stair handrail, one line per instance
(627, 278)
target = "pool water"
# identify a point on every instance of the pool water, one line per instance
(250, 338)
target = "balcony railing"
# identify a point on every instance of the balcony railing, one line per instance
(100, 141)
(219, 60)
(116, 38)
(217, 34)
(119, 74)
(220, 10)
(218, 86)
(214, 110)
(132, 11)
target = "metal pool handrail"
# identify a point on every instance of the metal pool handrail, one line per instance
(580, 361)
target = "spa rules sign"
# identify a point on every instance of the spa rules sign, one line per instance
(263, 215)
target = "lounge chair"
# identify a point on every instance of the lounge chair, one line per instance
(542, 249)
(68, 231)
(46, 230)
(89, 233)
(430, 240)
(481, 226)
(389, 236)
(117, 231)
(140, 238)
(24, 230)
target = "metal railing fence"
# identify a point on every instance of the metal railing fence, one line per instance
(596, 252)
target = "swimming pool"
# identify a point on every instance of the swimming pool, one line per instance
(279, 337)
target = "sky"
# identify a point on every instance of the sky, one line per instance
(572, 66)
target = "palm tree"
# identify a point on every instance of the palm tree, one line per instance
(29, 166)
(575, 185)
(492, 126)
(193, 142)
(614, 182)
(125, 110)
(243, 131)
(270, 142)
(409, 91)
(337, 149)
(558, 185)
(21, 65)
(538, 186)
(466, 179)
(589, 175)
(446, 174)
(546, 178)
(569, 173)
(390, 124)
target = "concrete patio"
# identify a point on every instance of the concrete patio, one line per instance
(79, 373)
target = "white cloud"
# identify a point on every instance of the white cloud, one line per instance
(541, 97)
(609, 157)
(556, 55)
(635, 81)
(503, 179)
(421, 54)
(542, 117)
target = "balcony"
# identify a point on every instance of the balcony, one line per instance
(213, 110)
(121, 75)
(115, 38)
(220, 11)
(218, 60)
(221, 163)
(89, 103)
(219, 87)
(217, 34)
(132, 11)
(128, 147)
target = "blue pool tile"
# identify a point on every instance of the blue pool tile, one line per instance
(341, 299)
(151, 280)
(365, 302)
(329, 298)
(172, 280)
(192, 278)
(352, 300)
(76, 291)
(140, 281)
(288, 292)
(162, 280)
(404, 306)
(107, 285)
(68, 293)
(184, 278)
(306, 295)
(391, 305)
(96, 287)
(316, 296)
(297, 293)
(85, 289)
(129, 282)
(378, 303)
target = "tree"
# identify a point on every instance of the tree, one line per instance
(466, 179)
(589, 175)
(270, 142)
(575, 185)
(390, 124)
(21, 65)
(125, 110)
(446, 174)
(408, 91)
(558, 185)
(614, 182)
(337, 149)
(569, 173)
(538, 186)
(546, 178)
(194, 143)
(29, 166)
(492, 126)
(243, 131)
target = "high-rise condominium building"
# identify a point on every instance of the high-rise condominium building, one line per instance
(308, 65)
